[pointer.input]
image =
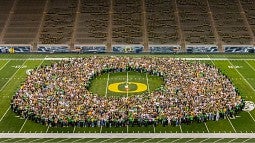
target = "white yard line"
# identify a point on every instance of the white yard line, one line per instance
(218, 140)
(246, 140)
(162, 140)
(49, 140)
(23, 125)
(101, 128)
(127, 83)
(180, 128)
(251, 116)
(13, 75)
(250, 65)
(107, 83)
(91, 140)
(175, 140)
(133, 140)
(190, 140)
(35, 140)
(232, 140)
(62, 140)
(204, 140)
(105, 140)
(77, 140)
(47, 129)
(206, 127)
(5, 113)
(120, 140)
(5, 64)
(231, 125)
(242, 76)
(127, 128)
(148, 86)
(127, 135)
(154, 129)
(147, 140)
(74, 129)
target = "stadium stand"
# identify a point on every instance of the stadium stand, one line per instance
(229, 22)
(195, 22)
(59, 22)
(127, 22)
(164, 23)
(23, 22)
(92, 22)
(161, 22)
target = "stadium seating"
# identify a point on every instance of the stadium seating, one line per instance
(127, 22)
(132, 22)
(229, 23)
(59, 22)
(24, 22)
(92, 23)
(161, 22)
(195, 22)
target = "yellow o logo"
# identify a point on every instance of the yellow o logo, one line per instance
(115, 87)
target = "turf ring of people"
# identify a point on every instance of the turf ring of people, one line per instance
(58, 95)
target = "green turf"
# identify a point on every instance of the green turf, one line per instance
(12, 74)
(99, 84)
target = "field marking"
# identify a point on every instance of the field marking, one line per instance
(27, 118)
(232, 140)
(204, 140)
(77, 140)
(127, 135)
(154, 129)
(250, 65)
(147, 140)
(162, 140)
(49, 140)
(5, 65)
(251, 116)
(127, 83)
(22, 140)
(227, 117)
(74, 129)
(107, 84)
(127, 128)
(92, 140)
(148, 86)
(35, 140)
(120, 140)
(47, 129)
(133, 140)
(206, 127)
(218, 140)
(5, 113)
(175, 140)
(12, 76)
(105, 140)
(231, 124)
(62, 140)
(101, 129)
(246, 140)
(242, 77)
(181, 128)
(23, 125)
(190, 140)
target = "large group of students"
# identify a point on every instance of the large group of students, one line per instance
(58, 94)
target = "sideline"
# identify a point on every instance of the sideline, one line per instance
(127, 135)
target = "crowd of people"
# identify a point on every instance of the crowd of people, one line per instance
(58, 95)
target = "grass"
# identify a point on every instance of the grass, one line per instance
(13, 73)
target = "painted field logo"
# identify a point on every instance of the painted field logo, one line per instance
(115, 87)
(249, 106)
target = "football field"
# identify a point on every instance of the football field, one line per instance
(239, 68)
